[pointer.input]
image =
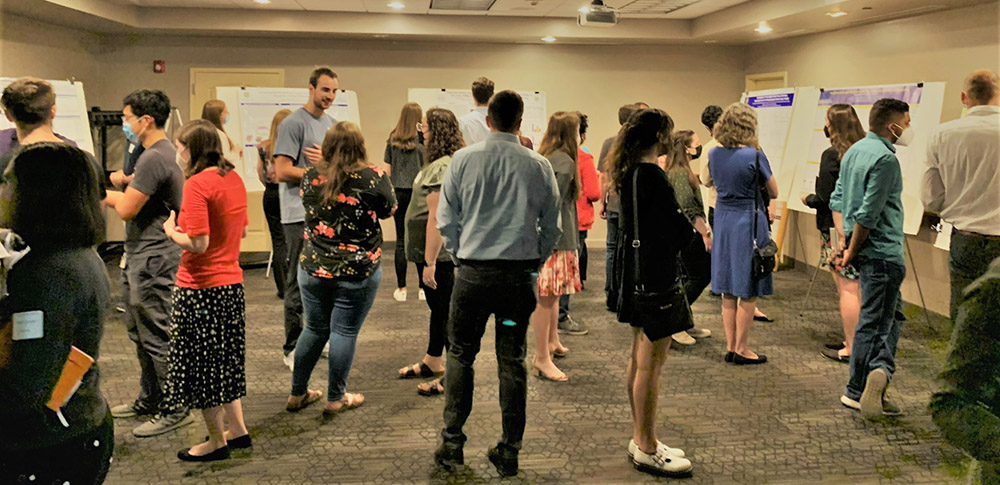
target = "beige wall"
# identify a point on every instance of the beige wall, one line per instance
(944, 46)
(31, 48)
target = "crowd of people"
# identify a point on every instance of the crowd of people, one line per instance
(517, 255)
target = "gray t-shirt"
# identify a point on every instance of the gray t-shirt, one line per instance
(158, 176)
(299, 131)
(614, 203)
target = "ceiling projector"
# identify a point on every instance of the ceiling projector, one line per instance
(598, 15)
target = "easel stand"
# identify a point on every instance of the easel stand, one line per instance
(916, 278)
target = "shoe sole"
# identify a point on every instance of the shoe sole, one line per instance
(652, 470)
(845, 360)
(678, 342)
(871, 398)
(573, 332)
(179, 425)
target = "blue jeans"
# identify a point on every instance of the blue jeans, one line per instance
(878, 324)
(609, 263)
(335, 310)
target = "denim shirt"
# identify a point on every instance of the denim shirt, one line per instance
(499, 201)
(869, 193)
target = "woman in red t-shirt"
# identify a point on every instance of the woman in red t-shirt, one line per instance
(205, 366)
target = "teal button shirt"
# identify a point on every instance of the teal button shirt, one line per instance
(869, 193)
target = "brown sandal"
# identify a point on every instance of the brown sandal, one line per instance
(298, 403)
(348, 402)
(431, 388)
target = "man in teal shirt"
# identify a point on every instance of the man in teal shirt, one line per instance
(868, 211)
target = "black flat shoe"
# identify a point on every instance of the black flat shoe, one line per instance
(835, 355)
(219, 454)
(729, 357)
(740, 360)
(241, 443)
(763, 318)
(835, 346)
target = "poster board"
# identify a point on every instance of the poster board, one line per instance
(460, 102)
(783, 116)
(925, 100)
(71, 112)
(250, 121)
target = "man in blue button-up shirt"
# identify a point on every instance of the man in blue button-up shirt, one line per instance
(499, 215)
(868, 211)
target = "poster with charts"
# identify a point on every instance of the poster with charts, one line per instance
(925, 100)
(71, 112)
(460, 102)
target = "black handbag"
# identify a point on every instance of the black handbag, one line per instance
(660, 312)
(764, 257)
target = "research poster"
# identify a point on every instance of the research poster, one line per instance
(460, 102)
(71, 120)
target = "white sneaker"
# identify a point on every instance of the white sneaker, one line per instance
(871, 399)
(697, 332)
(683, 338)
(289, 360)
(399, 294)
(662, 463)
(850, 403)
(421, 296)
(632, 448)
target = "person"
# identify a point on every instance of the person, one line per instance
(709, 117)
(634, 175)
(151, 258)
(340, 266)
(404, 156)
(425, 247)
(560, 275)
(59, 291)
(960, 182)
(296, 147)
(500, 242)
(215, 112)
(30, 104)
(868, 212)
(473, 123)
(738, 168)
(843, 128)
(272, 202)
(968, 409)
(696, 257)
(610, 207)
(208, 320)
(590, 192)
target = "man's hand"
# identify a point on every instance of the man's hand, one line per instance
(314, 154)
(170, 225)
(119, 179)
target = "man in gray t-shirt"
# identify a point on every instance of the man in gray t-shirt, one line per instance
(299, 141)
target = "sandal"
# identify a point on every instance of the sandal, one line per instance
(298, 403)
(431, 388)
(560, 353)
(348, 402)
(420, 370)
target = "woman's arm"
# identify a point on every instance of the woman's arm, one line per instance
(193, 244)
(432, 242)
(261, 168)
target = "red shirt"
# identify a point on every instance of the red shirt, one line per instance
(589, 193)
(217, 207)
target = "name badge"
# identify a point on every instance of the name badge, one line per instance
(28, 325)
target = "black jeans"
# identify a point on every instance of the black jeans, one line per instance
(582, 255)
(439, 301)
(402, 202)
(293, 298)
(81, 460)
(504, 289)
(967, 260)
(609, 263)
(272, 212)
(696, 268)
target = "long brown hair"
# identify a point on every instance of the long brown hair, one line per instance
(204, 146)
(445, 136)
(845, 128)
(212, 112)
(561, 135)
(645, 130)
(404, 135)
(679, 156)
(272, 135)
(343, 153)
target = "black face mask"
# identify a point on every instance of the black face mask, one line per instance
(697, 153)
(826, 131)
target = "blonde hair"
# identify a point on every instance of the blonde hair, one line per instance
(404, 135)
(737, 126)
(561, 135)
(212, 112)
(343, 153)
(272, 135)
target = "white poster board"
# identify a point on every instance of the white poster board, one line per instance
(460, 102)
(71, 112)
(925, 100)
(782, 124)
(250, 121)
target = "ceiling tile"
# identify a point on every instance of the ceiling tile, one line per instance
(382, 6)
(333, 5)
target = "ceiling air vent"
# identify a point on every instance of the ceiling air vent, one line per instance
(474, 5)
(653, 6)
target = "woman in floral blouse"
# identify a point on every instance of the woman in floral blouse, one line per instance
(340, 264)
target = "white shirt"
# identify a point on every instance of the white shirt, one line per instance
(473, 125)
(962, 181)
(230, 151)
(705, 176)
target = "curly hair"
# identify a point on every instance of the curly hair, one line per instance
(645, 130)
(737, 126)
(445, 136)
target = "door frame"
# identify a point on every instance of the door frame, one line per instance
(752, 79)
(194, 71)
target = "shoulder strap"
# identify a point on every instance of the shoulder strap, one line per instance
(756, 191)
(636, 243)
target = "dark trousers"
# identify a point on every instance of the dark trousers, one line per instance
(504, 289)
(696, 268)
(609, 262)
(439, 301)
(272, 212)
(81, 460)
(293, 298)
(149, 283)
(967, 260)
(402, 202)
(879, 322)
(582, 257)
(968, 409)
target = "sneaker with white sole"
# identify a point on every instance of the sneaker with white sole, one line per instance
(399, 294)
(871, 398)
(698, 332)
(421, 295)
(569, 326)
(662, 463)
(289, 360)
(889, 408)
(683, 338)
(163, 424)
(632, 448)
(132, 409)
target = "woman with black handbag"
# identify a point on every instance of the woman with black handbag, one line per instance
(651, 297)
(742, 251)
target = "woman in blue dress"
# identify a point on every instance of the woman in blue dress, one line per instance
(742, 187)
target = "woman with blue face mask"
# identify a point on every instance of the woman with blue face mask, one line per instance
(215, 112)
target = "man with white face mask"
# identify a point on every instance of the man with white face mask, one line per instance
(868, 213)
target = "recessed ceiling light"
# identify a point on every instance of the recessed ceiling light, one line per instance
(836, 13)
(583, 10)
(763, 28)
(396, 6)
(262, 2)
(548, 38)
